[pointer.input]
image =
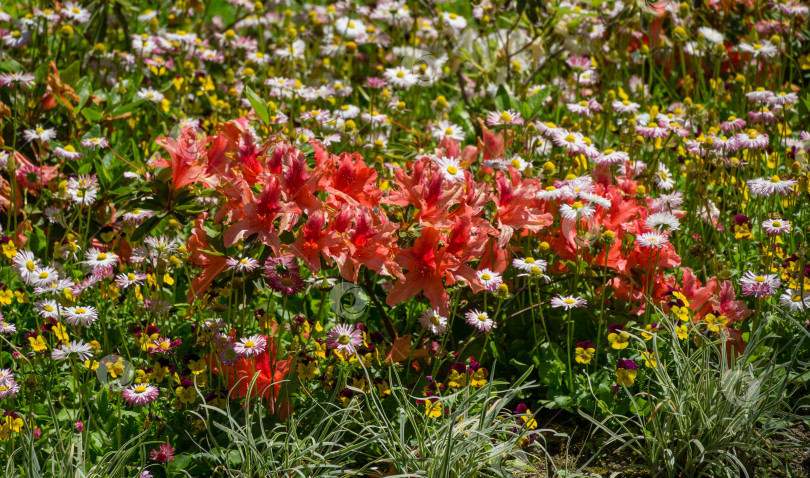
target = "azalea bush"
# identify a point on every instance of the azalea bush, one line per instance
(388, 238)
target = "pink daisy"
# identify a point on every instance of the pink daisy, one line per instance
(480, 320)
(250, 346)
(140, 395)
(759, 285)
(344, 337)
(164, 454)
(498, 118)
(776, 226)
(568, 302)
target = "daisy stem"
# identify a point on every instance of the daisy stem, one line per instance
(601, 310)
(569, 334)
(648, 281)
(244, 305)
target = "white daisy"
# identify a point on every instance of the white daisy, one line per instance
(652, 239)
(150, 94)
(776, 226)
(794, 300)
(491, 280)
(80, 315)
(663, 221)
(95, 258)
(47, 308)
(568, 302)
(434, 322)
(576, 210)
(480, 320)
(663, 178)
(250, 346)
(25, 264)
(450, 168)
(76, 347)
(446, 128)
(400, 77)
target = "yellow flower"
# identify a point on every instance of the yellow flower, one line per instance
(200, 380)
(584, 355)
(321, 350)
(22, 297)
(626, 376)
(6, 296)
(433, 409)
(649, 359)
(186, 395)
(16, 424)
(116, 369)
(529, 420)
(717, 322)
(9, 250)
(682, 331)
(682, 312)
(38, 343)
(159, 372)
(359, 383)
(649, 331)
(456, 379)
(196, 366)
(61, 333)
(619, 340)
(141, 377)
(308, 328)
(742, 231)
(479, 377)
(307, 371)
(383, 389)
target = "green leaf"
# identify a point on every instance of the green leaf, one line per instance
(502, 101)
(10, 65)
(37, 242)
(91, 114)
(145, 228)
(536, 101)
(103, 171)
(640, 406)
(126, 108)
(258, 105)
(83, 90)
